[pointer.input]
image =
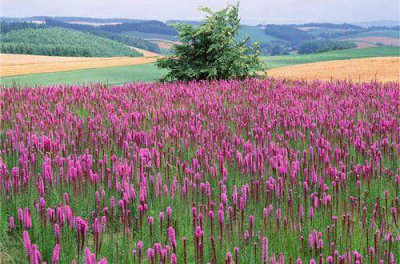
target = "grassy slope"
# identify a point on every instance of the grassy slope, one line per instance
(376, 33)
(148, 72)
(287, 60)
(256, 34)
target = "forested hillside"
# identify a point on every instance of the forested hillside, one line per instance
(62, 42)
(107, 33)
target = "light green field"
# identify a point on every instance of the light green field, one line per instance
(150, 73)
(377, 33)
(114, 75)
(288, 60)
(256, 34)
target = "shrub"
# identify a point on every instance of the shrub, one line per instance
(211, 50)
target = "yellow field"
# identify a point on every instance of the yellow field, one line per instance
(382, 69)
(15, 64)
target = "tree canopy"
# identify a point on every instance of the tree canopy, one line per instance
(211, 50)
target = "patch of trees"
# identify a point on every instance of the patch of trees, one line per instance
(153, 27)
(63, 42)
(275, 48)
(316, 46)
(49, 50)
(288, 33)
(6, 27)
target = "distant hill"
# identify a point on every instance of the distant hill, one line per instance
(62, 42)
(72, 19)
(379, 23)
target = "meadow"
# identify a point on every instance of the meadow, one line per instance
(254, 171)
(149, 73)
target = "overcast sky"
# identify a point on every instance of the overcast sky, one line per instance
(252, 11)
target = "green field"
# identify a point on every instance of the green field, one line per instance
(288, 60)
(114, 75)
(149, 72)
(377, 33)
(256, 34)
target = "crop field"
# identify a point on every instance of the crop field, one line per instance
(149, 73)
(384, 69)
(16, 64)
(288, 60)
(379, 33)
(376, 41)
(207, 172)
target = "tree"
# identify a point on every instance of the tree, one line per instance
(211, 50)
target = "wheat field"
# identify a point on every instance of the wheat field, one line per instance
(383, 69)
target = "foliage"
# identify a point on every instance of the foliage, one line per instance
(150, 26)
(45, 49)
(211, 50)
(315, 46)
(63, 42)
(99, 31)
(154, 27)
(6, 27)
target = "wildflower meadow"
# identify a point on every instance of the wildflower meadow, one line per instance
(252, 171)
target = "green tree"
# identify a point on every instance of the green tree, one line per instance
(212, 51)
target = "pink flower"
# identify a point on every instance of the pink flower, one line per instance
(56, 254)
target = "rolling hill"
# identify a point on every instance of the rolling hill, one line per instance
(63, 42)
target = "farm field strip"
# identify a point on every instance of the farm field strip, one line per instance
(384, 69)
(374, 40)
(14, 65)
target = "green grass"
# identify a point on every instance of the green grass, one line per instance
(288, 60)
(377, 33)
(113, 75)
(256, 34)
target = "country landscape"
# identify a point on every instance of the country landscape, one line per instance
(219, 136)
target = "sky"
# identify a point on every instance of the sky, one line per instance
(251, 11)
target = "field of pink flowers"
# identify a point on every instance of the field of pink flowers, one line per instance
(213, 172)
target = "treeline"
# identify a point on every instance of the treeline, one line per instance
(316, 46)
(275, 48)
(153, 27)
(6, 27)
(72, 19)
(49, 50)
(63, 42)
(288, 33)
